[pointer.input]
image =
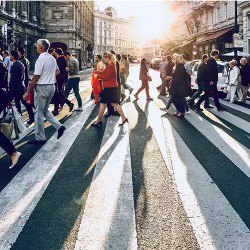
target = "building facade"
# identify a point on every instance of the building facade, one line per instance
(71, 24)
(27, 24)
(114, 33)
(204, 25)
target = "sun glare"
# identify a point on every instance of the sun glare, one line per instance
(151, 22)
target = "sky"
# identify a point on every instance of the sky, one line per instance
(152, 17)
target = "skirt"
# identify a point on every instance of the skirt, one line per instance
(110, 95)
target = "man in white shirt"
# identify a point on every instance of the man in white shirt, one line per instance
(43, 83)
(6, 60)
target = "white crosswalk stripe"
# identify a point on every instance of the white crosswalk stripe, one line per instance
(236, 107)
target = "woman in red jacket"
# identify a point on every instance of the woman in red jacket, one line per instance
(110, 92)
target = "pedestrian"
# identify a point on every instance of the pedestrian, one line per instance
(203, 81)
(99, 65)
(61, 78)
(124, 74)
(213, 71)
(43, 82)
(163, 74)
(17, 87)
(233, 81)
(144, 78)
(110, 93)
(6, 60)
(245, 77)
(74, 79)
(3, 76)
(26, 64)
(111, 109)
(168, 73)
(178, 87)
(5, 143)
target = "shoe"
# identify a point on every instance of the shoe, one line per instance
(150, 98)
(221, 109)
(97, 125)
(71, 107)
(125, 121)
(227, 99)
(34, 141)
(29, 122)
(164, 110)
(61, 132)
(15, 160)
(123, 97)
(198, 108)
(208, 107)
(78, 109)
(130, 91)
(55, 113)
(136, 97)
(187, 113)
(179, 114)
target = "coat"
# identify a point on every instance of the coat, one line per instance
(143, 73)
(245, 75)
(233, 77)
(203, 76)
(213, 70)
(179, 82)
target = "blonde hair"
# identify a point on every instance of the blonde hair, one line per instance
(110, 56)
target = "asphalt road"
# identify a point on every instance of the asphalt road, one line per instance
(183, 183)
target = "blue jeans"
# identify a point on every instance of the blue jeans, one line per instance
(198, 94)
(73, 83)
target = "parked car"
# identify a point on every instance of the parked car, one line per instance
(222, 75)
(155, 63)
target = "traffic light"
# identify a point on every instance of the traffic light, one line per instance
(10, 33)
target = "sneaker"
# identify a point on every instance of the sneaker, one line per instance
(150, 98)
(164, 110)
(78, 109)
(187, 113)
(15, 159)
(61, 132)
(208, 107)
(136, 97)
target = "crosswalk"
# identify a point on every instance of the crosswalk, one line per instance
(84, 186)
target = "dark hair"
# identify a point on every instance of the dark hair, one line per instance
(21, 50)
(169, 58)
(204, 57)
(51, 50)
(112, 52)
(143, 60)
(99, 56)
(118, 57)
(14, 54)
(215, 52)
(59, 51)
(6, 52)
(67, 53)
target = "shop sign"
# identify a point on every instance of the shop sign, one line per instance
(238, 40)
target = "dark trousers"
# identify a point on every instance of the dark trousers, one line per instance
(210, 91)
(111, 109)
(73, 83)
(179, 103)
(61, 100)
(198, 94)
(6, 144)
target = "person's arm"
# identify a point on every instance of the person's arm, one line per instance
(107, 74)
(31, 86)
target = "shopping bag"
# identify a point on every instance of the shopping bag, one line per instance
(18, 121)
(96, 86)
(6, 122)
(30, 98)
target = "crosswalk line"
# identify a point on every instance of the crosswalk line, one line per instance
(232, 149)
(197, 190)
(108, 221)
(21, 195)
(238, 122)
(235, 107)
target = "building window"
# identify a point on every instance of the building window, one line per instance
(248, 21)
(225, 12)
(58, 14)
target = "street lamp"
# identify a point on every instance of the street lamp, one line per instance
(236, 26)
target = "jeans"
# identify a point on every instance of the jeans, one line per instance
(163, 86)
(73, 83)
(6, 144)
(198, 94)
(179, 103)
(43, 96)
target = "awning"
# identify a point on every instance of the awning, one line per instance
(213, 36)
(182, 45)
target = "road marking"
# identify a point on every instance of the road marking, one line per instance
(236, 107)
(21, 195)
(108, 221)
(236, 121)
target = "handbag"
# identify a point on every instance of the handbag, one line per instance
(30, 98)
(149, 78)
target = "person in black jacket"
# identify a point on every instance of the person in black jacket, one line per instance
(245, 77)
(213, 71)
(179, 86)
(3, 76)
(17, 87)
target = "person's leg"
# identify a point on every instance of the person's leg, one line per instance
(163, 87)
(48, 94)
(102, 109)
(6, 144)
(29, 109)
(232, 92)
(18, 103)
(118, 108)
(215, 94)
(244, 96)
(140, 90)
(146, 85)
(77, 91)
(239, 93)
(40, 102)
(170, 101)
(197, 93)
(186, 104)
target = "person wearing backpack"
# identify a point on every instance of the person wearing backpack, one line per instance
(5, 143)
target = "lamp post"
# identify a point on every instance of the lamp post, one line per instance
(236, 26)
